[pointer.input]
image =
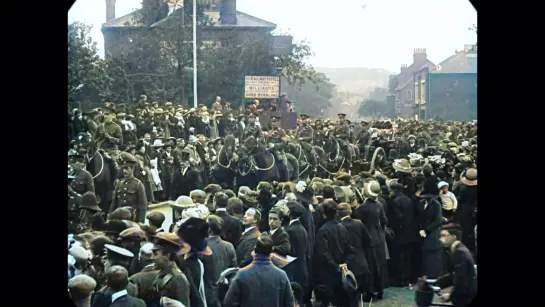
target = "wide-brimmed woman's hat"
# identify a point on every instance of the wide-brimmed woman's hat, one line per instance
(402, 166)
(194, 235)
(469, 177)
(304, 193)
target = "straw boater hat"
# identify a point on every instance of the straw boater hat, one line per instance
(402, 166)
(158, 143)
(372, 189)
(470, 177)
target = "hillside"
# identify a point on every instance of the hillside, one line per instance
(353, 85)
(356, 80)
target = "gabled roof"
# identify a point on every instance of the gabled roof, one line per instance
(463, 62)
(407, 75)
(243, 20)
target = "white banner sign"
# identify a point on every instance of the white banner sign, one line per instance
(262, 87)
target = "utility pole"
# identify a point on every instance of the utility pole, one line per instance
(195, 54)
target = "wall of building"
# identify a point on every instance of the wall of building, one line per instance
(453, 96)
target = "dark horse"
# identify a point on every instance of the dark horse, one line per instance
(223, 170)
(249, 164)
(256, 163)
(101, 172)
(331, 159)
(297, 151)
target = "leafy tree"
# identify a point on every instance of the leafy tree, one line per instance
(373, 108)
(311, 97)
(84, 65)
(158, 60)
(379, 93)
(295, 68)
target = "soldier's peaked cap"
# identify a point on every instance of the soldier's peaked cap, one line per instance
(117, 252)
(129, 159)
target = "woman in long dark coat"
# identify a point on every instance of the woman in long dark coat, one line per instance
(373, 217)
(429, 211)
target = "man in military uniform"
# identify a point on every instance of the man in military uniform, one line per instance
(83, 180)
(143, 279)
(130, 191)
(251, 129)
(110, 135)
(170, 281)
(278, 141)
(92, 123)
(318, 133)
(305, 136)
(342, 133)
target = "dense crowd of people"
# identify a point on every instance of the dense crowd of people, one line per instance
(339, 239)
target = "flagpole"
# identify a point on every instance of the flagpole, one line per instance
(195, 54)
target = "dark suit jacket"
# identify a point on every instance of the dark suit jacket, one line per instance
(298, 248)
(260, 284)
(360, 239)
(128, 301)
(281, 241)
(332, 248)
(245, 247)
(232, 228)
(104, 299)
(223, 254)
(307, 221)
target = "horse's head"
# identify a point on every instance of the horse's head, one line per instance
(84, 140)
(329, 144)
(247, 147)
(229, 146)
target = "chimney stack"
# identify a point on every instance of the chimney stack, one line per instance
(419, 55)
(403, 67)
(110, 10)
(228, 12)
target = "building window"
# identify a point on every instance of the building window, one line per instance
(409, 95)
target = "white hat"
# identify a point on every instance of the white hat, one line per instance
(442, 184)
(158, 143)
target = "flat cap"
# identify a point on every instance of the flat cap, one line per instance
(133, 234)
(82, 284)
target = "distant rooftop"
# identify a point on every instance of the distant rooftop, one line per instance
(243, 20)
(463, 62)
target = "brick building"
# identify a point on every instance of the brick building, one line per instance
(449, 89)
(117, 31)
(402, 85)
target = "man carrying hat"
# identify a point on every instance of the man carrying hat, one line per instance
(170, 281)
(305, 136)
(130, 191)
(342, 133)
(83, 181)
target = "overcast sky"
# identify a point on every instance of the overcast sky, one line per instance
(345, 33)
